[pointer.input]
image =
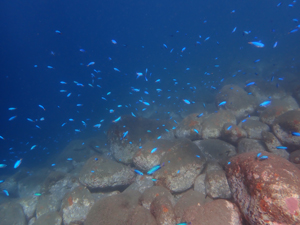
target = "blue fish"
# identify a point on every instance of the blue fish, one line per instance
(12, 118)
(139, 172)
(264, 157)
(258, 155)
(125, 133)
(295, 134)
(265, 103)
(281, 147)
(201, 114)
(186, 101)
(154, 169)
(6, 192)
(222, 103)
(153, 150)
(17, 164)
(257, 44)
(116, 120)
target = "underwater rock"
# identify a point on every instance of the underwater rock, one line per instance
(29, 206)
(51, 218)
(180, 166)
(100, 195)
(266, 191)
(295, 157)
(190, 127)
(140, 130)
(11, 183)
(145, 160)
(12, 213)
(99, 172)
(272, 143)
(141, 183)
(28, 186)
(113, 210)
(263, 91)
(76, 205)
(216, 185)
(232, 133)
(188, 199)
(213, 123)
(161, 208)
(150, 194)
(238, 102)
(141, 216)
(254, 128)
(47, 203)
(214, 213)
(199, 184)
(31, 221)
(58, 184)
(284, 125)
(277, 108)
(78, 151)
(250, 145)
(216, 150)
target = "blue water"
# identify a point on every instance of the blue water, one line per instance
(29, 44)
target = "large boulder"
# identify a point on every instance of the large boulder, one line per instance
(283, 127)
(276, 108)
(181, 164)
(238, 102)
(129, 133)
(99, 172)
(216, 150)
(76, 205)
(213, 213)
(114, 210)
(267, 191)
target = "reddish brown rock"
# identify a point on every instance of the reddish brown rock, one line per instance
(186, 127)
(150, 194)
(239, 103)
(232, 133)
(218, 212)
(189, 198)
(161, 208)
(295, 157)
(284, 125)
(277, 108)
(113, 210)
(266, 191)
(123, 149)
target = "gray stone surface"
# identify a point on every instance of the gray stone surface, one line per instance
(249, 145)
(213, 123)
(12, 214)
(76, 205)
(232, 133)
(238, 102)
(254, 128)
(216, 185)
(50, 218)
(180, 166)
(105, 173)
(216, 150)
